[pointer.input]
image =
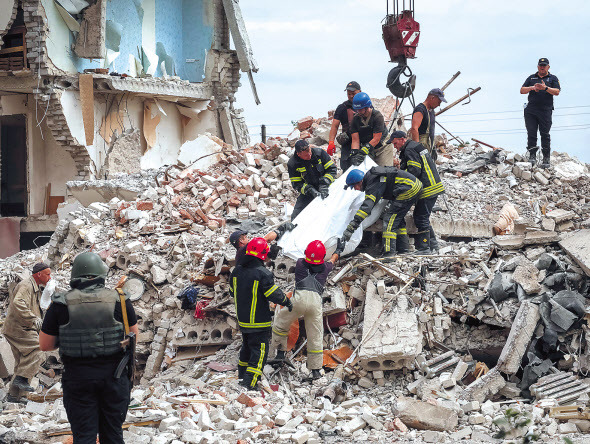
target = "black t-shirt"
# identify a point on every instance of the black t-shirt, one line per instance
(421, 108)
(341, 114)
(85, 368)
(240, 253)
(541, 100)
(322, 270)
(375, 125)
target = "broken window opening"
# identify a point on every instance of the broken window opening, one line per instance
(13, 55)
(29, 240)
(13, 172)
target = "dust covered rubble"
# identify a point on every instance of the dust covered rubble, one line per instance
(486, 323)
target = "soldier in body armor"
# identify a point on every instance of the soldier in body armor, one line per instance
(88, 324)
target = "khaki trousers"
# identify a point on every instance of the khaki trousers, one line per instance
(308, 304)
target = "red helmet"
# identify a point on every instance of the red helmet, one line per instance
(258, 247)
(315, 252)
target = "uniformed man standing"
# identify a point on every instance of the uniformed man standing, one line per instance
(252, 287)
(541, 87)
(311, 171)
(391, 183)
(368, 132)
(310, 277)
(21, 329)
(423, 120)
(414, 159)
(343, 116)
(88, 324)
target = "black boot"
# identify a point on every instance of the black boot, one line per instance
(433, 242)
(21, 383)
(248, 381)
(422, 242)
(16, 399)
(533, 155)
(315, 374)
(278, 359)
(546, 163)
(402, 244)
(241, 372)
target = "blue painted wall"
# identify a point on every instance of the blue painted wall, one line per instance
(183, 31)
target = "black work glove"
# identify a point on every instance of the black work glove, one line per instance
(274, 251)
(357, 157)
(340, 247)
(283, 228)
(347, 234)
(312, 192)
(289, 304)
(324, 191)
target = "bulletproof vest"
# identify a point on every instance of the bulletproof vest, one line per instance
(92, 330)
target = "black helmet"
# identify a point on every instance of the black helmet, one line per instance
(88, 264)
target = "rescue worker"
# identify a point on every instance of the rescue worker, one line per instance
(423, 120)
(239, 239)
(87, 324)
(541, 87)
(21, 329)
(252, 287)
(343, 116)
(391, 183)
(311, 171)
(310, 277)
(414, 159)
(368, 131)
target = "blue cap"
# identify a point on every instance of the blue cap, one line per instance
(438, 93)
(234, 238)
(301, 145)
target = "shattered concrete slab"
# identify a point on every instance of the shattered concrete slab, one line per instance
(577, 246)
(390, 341)
(424, 415)
(522, 330)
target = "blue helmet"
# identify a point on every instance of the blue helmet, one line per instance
(361, 101)
(355, 176)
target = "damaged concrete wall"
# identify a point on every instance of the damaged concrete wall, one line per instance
(48, 162)
(8, 10)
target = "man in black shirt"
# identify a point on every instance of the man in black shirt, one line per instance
(311, 171)
(423, 120)
(541, 87)
(87, 324)
(368, 132)
(343, 116)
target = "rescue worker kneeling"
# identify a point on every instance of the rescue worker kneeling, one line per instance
(88, 324)
(399, 187)
(252, 287)
(310, 277)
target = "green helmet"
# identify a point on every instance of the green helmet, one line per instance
(88, 264)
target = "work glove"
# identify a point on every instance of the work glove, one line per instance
(37, 323)
(274, 251)
(312, 192)
(340, 247)
(289, 304)
(347, 233)
(324, 191)
(357, 157)
(283, 228)
(331, 148)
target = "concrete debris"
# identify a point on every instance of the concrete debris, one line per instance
(424, 348)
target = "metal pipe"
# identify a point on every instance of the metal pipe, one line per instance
(451, 80)
(458, 101)
(263, 133)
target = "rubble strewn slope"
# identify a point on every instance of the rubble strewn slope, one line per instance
(447, 347)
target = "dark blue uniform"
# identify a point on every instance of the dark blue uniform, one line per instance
(538, 113)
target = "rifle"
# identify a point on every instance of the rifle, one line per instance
(127, 344)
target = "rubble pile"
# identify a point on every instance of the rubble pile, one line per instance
(435, 348)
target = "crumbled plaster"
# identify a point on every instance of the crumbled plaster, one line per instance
(124, 155)
(90, 43)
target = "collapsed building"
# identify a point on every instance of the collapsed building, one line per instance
(466, 344)
(93, 88)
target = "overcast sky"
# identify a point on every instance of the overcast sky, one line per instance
(308, 50)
